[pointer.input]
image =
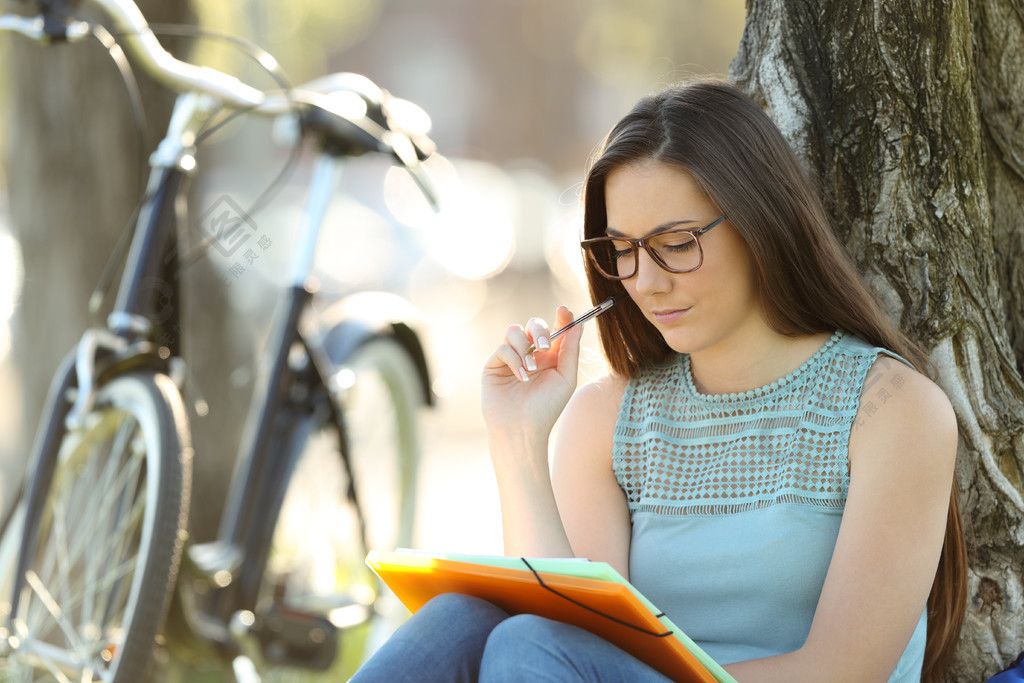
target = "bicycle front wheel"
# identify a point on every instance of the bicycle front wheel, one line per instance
(109, 531)
(316, 559)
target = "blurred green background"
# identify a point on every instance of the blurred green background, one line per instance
(520, 92)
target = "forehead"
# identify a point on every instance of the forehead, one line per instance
(640, 197)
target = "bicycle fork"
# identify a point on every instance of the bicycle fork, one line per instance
(103, 352)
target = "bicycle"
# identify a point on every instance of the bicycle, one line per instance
(103, 517)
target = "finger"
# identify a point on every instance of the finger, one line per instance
(563, 316)
(539, 332)
(507, 359)
(568, 344)
(517, 339)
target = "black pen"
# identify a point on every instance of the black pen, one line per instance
(594, 312)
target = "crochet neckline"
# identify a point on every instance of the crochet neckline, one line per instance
(767, 390)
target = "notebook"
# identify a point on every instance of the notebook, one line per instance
(590, 595)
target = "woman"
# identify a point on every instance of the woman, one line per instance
(763, 462)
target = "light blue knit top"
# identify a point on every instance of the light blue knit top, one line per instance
(736, 499)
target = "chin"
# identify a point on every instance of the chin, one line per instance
(681, 341)
(693, 337)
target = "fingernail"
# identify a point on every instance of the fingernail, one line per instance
(521, 372)
(531, 363)
(543, 343)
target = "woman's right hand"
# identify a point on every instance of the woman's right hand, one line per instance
(522, 396)
(524, 393)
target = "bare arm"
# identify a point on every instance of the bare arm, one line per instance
(589, 518)
(522, 396)
(593, 506)
(902, 452)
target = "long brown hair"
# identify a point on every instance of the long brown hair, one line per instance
(806, 280)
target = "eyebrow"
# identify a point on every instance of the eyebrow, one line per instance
(612, 232)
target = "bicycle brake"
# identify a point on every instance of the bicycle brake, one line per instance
(94, 341)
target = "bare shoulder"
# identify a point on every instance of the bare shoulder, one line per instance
(589, 419)
(892, 388)
(603, 393)
(902, 409)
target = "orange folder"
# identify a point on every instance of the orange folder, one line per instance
(606, 608)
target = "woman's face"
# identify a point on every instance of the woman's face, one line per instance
(694, 311)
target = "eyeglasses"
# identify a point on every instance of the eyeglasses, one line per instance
(677, 251)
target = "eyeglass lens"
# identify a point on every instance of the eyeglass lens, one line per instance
(676, 249)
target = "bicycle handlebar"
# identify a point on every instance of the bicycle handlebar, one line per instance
(34, 28)
(409, 147)
(128, 22)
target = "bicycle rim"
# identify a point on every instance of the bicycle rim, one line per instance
(317, 561)
(95, 593)
(10, 541)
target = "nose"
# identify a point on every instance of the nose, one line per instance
(650, 278)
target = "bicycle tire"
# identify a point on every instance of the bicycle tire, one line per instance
(110, 531)
(316, 557)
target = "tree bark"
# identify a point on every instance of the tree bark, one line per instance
(910, 114)
(999, 54)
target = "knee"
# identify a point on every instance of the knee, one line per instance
(521, 643)
(443, 641)
(525, 629)
(450, 609)
(459, 621)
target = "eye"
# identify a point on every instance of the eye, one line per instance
(620, 248)
(675, 242)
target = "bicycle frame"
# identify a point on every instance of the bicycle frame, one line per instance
(301, 366)
(133, 337)
(272, 396)
(298, 370)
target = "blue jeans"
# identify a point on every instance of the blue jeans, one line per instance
(460, 639)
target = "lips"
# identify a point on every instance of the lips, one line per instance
(669, 316)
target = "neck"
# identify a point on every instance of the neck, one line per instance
(750, 360)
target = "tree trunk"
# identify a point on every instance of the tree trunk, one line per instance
(910, 114)
(75, 167)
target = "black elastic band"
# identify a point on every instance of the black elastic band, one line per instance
(591, 609)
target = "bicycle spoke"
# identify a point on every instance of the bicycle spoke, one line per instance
(111, 584)
(51, 606)
(56, 673)
(55, 661)
(60, 556)
(79, 600)
(122, 535)
(64, 559)
(87, 647)
(112, 577)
